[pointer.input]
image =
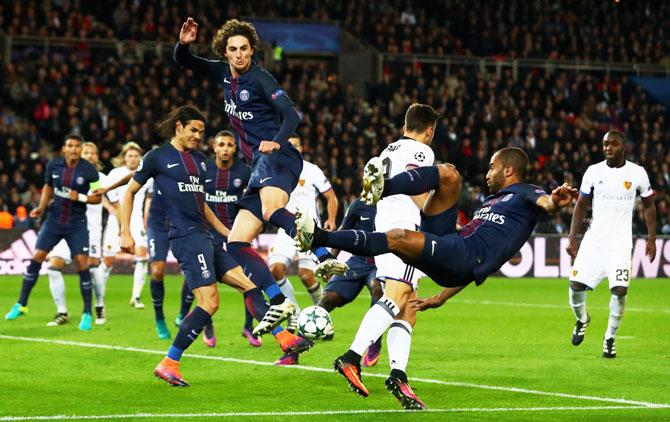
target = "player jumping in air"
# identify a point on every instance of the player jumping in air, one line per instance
(453, 260)
(262, 117)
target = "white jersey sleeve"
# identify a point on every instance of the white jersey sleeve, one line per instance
(398, 157)
(587, 182)
(319, 180)
(644, 187)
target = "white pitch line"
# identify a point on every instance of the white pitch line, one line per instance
(549, 305)
(318, 413)
(316, 369)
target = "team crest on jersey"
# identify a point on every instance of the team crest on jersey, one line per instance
(420, 156)
(237, 183)
(302, 182)
(203, 166)
(507, 197)
(244, 95)
(80, 180)
(627, 184)
(205, 274)
(574, 273)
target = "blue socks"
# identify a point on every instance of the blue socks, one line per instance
(413, 182)
(189, 330)
(29, 281)
(86, 288)
(285, 219)
(186, 300)
(255, 303)
(357, 242)
(157, 297)
(255, 268)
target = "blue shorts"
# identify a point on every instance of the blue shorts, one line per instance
(280, 169)
(444, 257)
(362, 272)
(158, 242)
(76, 237)
(202, 262)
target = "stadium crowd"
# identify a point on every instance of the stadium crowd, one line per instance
(110, 97)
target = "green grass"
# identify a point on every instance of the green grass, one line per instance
(507, 333)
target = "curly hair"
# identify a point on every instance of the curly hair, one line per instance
(232, 28)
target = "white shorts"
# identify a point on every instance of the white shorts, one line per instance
(594, 263)
(283, 250)
(390, 266)
(111, 239)
(62, 250)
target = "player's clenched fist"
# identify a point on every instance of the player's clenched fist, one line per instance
(127, 243)
(189, 31)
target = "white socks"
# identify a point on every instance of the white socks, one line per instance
(57, 287)
(287, 289)
(375, 322)
(399, 340)
(139, 277)
(578, 303)
(617, 305)
(99, 283)
(105, 271)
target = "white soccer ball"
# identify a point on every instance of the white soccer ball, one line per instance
(314, 323)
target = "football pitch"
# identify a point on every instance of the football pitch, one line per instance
(500, 351)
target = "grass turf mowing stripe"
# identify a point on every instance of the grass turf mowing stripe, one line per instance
(550, 305)
(318, 413)
(316, 369)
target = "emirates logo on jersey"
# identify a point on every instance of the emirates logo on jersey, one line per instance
(627, 184)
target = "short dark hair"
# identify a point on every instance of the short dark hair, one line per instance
(75, 136)
(184, 114)
(516, 158)
(224, 133)
(232, 28)
(617, 133)
(420, 117)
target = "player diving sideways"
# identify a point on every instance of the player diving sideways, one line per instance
(453, 260)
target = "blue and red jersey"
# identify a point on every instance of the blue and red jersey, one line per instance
(82, 177)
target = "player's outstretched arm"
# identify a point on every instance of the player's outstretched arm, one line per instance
(182, 54)
(560, 197)
(578, 216)
(122, 181)
(649, 208)
(213, 221)
(45, 198)
(127, 241)
(423, 303)
(331, 206)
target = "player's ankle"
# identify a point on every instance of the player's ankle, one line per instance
(401, 375)
(352, 357)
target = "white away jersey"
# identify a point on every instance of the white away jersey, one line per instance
(399, 156)
(312, 181)
(116, 195)
(94, 211)
(614, 191)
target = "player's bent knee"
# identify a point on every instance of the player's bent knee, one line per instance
(278, 271)
(619, 291)
(332, 300)
(577, 286)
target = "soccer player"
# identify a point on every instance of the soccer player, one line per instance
(179, 170)
(606, 248)
(60, 254)
(497, 231)
(282, 251)
(68, 178)
(225, 181)
(126, 164)
(255, 105)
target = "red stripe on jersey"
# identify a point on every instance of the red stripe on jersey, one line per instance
(68, 174)
(192, 169)
(236, 123)
(223, 183)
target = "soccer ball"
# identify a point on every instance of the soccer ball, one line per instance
(314, 323)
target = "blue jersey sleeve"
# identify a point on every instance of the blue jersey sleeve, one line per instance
(272, 92)
(48, 180)
(214, 69)
(351, 216)
(149, 167)
(532, 193)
